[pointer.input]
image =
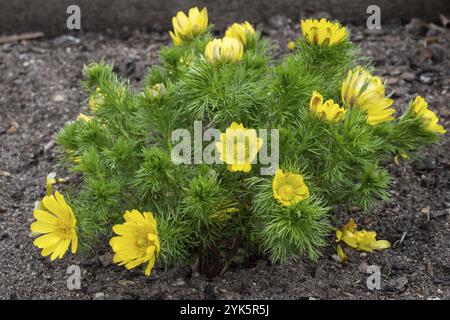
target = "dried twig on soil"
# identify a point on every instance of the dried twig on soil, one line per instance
(20, 37)
(399, 242)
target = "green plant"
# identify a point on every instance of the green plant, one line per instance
(123, 151)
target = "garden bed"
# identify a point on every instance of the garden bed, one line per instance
(40, 91)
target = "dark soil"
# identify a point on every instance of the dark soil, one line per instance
(40, 90)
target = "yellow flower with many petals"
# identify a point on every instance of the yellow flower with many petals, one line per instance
(359, 239)
(289, 188)
(238, 147)
(56, 221)
(185, 28)
(329, 110)
(429, 118)
(366, 241)
(137, 241)
(224, 50)
(365, 91)
(322, 32)
(96, 100)
(242, 32)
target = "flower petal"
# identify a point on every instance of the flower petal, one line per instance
(45, 216)
(46, 240)
(42, 227)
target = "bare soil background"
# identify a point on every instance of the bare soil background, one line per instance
(50, 16)
(40, 91)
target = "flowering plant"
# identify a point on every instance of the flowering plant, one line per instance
(336, 129)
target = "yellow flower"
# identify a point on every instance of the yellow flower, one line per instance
(323, 32)
(224, 50)
(365, 91)
(366, 241)
(291, 45)
(158, 89)
(242, 32)
(55, 219)
(238, 147)
(350, 227)
(329, 110)
(429, 118)
(138, 241)
(185, 28)
(96, 100)
(360, 239)
(83, 117)
(289, 188)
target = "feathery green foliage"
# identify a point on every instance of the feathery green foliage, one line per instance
(123, 153)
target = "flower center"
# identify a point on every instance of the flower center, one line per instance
(64, 230)
(287, 191)
(141, 243)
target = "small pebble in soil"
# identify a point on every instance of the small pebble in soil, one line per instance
(49, 145)
(12, 128)
(99, 296)
(408, 76)
(127, 283)
(179, 283)
(106, 259)
(58, 97)
(5, 173)
(397, 283)
(426, 78)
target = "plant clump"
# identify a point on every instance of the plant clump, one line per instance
(156, 200)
